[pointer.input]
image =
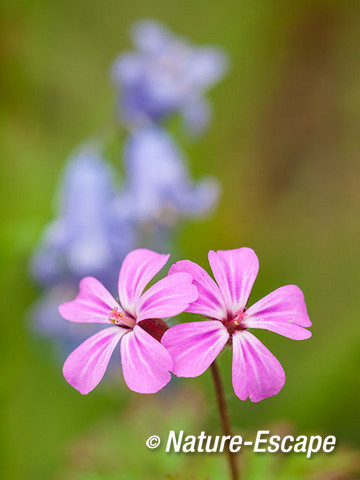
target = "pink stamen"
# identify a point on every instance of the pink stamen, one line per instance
(115, 316)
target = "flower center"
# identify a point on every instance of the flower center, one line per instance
(235, 321)
(115, 316)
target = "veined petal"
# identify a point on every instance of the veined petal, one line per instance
(145, 362)
(194, 346)
(283, 311)
(138, 268)
(92, 305)
(235, 272)
(256, 373)
(86, 365)
(168, 297)
(209, 302)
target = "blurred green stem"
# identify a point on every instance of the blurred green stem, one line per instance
(224, 417)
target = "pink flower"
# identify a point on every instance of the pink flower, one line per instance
(256, 373)
(136, 320)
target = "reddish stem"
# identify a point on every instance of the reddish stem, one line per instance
(224, 417)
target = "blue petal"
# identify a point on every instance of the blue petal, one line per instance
(159, 185)
(86, 238)
(165, 75)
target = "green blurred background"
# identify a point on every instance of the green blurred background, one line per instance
(285, 145)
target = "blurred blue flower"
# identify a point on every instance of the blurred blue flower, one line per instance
(159, 190)
(96, 224)
(86, 238)
(165, 75)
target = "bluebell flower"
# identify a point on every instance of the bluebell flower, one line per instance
(85, 238)
(159, 190)
(166, 75)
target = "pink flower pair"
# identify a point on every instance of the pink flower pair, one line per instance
(149, 351)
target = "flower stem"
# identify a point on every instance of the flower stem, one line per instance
(224, 417)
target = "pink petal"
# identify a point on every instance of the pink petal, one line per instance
(235, 272)
(138, 268)
(282, 311)
(86, 365)
(168, 297)
(145, 362)
(194, 346)
(256, 373)
(210, 302)
(92, 305)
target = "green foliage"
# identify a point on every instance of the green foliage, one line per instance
(102, 453)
